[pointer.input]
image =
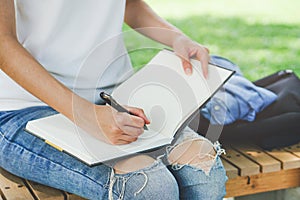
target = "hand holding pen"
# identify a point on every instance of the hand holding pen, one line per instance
(113, 103)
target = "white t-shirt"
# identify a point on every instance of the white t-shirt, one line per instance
(78, 41)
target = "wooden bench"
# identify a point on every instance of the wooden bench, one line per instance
(253, 170)
(250, 170)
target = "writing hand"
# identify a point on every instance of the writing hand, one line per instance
(106, 124)
(121, 127)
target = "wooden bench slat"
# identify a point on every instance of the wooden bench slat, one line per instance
(43, 192)
(73, 197)
(263, 182)
(231, 171)
(255, 153)
(13, 187)
(287, 159)
(295, 149)
(245, 166)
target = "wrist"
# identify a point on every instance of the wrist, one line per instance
(79, 108)
(180, 38)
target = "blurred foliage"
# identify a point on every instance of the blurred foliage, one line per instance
(262, 37)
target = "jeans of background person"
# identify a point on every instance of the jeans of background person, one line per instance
(240, 99)
(29, 157)
(275, 126)
(272, 132)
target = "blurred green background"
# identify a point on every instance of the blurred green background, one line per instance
(261, 36)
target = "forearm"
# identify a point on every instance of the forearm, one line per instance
(17, 63)
(141, 17)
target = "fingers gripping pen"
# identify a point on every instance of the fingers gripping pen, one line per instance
(113, 103)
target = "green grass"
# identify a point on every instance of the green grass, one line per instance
(262, 37)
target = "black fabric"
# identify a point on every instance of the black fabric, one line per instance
(276, 126)
(287, 86)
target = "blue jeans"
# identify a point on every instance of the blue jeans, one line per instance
(29, 157)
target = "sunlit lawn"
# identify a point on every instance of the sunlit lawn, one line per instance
(262, 37)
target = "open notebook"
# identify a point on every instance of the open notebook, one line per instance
(161, 88)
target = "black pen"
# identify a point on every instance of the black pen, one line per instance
(113, 103)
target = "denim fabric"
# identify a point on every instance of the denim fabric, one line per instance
(29, 157)
(240, 99)
(195, 184)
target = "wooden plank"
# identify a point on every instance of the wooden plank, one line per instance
(73, 197)
(287, 159)
(13, 187)
(1, 195)
(256, 154)
(43, 192)
(245, 166)
(231, 171)
(263, 182)
(295, 149)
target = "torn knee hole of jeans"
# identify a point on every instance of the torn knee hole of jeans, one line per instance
(196, 152)
(120, 182)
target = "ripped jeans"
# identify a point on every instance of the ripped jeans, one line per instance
(29, 157)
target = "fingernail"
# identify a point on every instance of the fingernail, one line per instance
(188, 71)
